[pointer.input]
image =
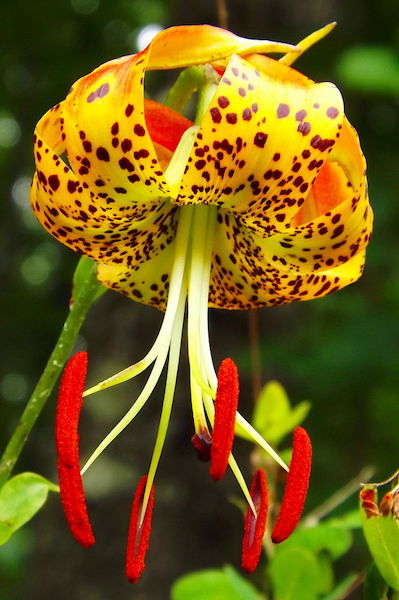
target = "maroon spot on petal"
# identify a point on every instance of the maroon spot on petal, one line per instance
(115, 129)
(260, 139)
(231, 118)
(315, 141)
(332, 112)
(223, 101)
(102, 154)
(125, 164)
(129, 109)
(141, 154)
(126, 145)
(283, 110)
(87, 146)
(54, 182)
(304, 128)
(100, 92)
(215, 114)
(133, 178)
(337, 231)
(242, 92)
(71, 186)
(300, 115)
(139, 130)
(200, 164)
(247, 114)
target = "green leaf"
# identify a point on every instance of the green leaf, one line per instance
(294, 570)
(273, 416)
(334, 540)
(382, 536)
(325, 573)
(370, 69)
(374, 587)
(214, 584)
(83, 272)
(20, 499)
(349, 520)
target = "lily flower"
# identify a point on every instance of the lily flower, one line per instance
(261, 201)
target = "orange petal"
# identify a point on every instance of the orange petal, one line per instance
(199, 44)
(165, 126)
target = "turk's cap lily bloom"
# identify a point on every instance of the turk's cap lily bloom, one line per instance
(273, 155)
(262, 200)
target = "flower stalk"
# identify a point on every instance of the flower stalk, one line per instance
(86, 294)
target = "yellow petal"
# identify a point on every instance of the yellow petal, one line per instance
(261, 144)
(120, 232)
(246, 275)
(148, 281)
(199, 44)
(106, 137)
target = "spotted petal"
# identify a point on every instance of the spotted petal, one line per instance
(244, 275)
(127, 233)
(315, 256)
(262, 144)
(106, 135)
(198, 44)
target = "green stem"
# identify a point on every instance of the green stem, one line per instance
(87, 291)
(189, 81)
(202, 79)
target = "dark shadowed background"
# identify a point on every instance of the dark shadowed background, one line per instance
(340, 352)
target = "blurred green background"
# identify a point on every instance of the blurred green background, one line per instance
(340, 352)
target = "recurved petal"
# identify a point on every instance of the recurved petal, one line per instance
(198, 44)
(123, 232)
(262, 143)
(106, 135)
(247, 274)
(48, 129)
(147, 281)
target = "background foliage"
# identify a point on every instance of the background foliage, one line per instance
(339, 352)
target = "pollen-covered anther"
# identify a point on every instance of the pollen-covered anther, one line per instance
(202, 445)
(386, 504)
(368, 500)
(296, 487)
(226, 403)
(67, 444)
(139, 532)
(254, 526)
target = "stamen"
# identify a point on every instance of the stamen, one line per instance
(368, 499)
(254, 527)
(295, 488)
(139, 532)
(226, 403)
(386, 504)
(202, 442)
(67, 444)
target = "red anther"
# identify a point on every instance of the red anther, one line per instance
(368, 497)
(139, 534)
(67, 444)
(296, 487)
(254, 527)
(202, 445)
(226, 403)
(386, 504)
